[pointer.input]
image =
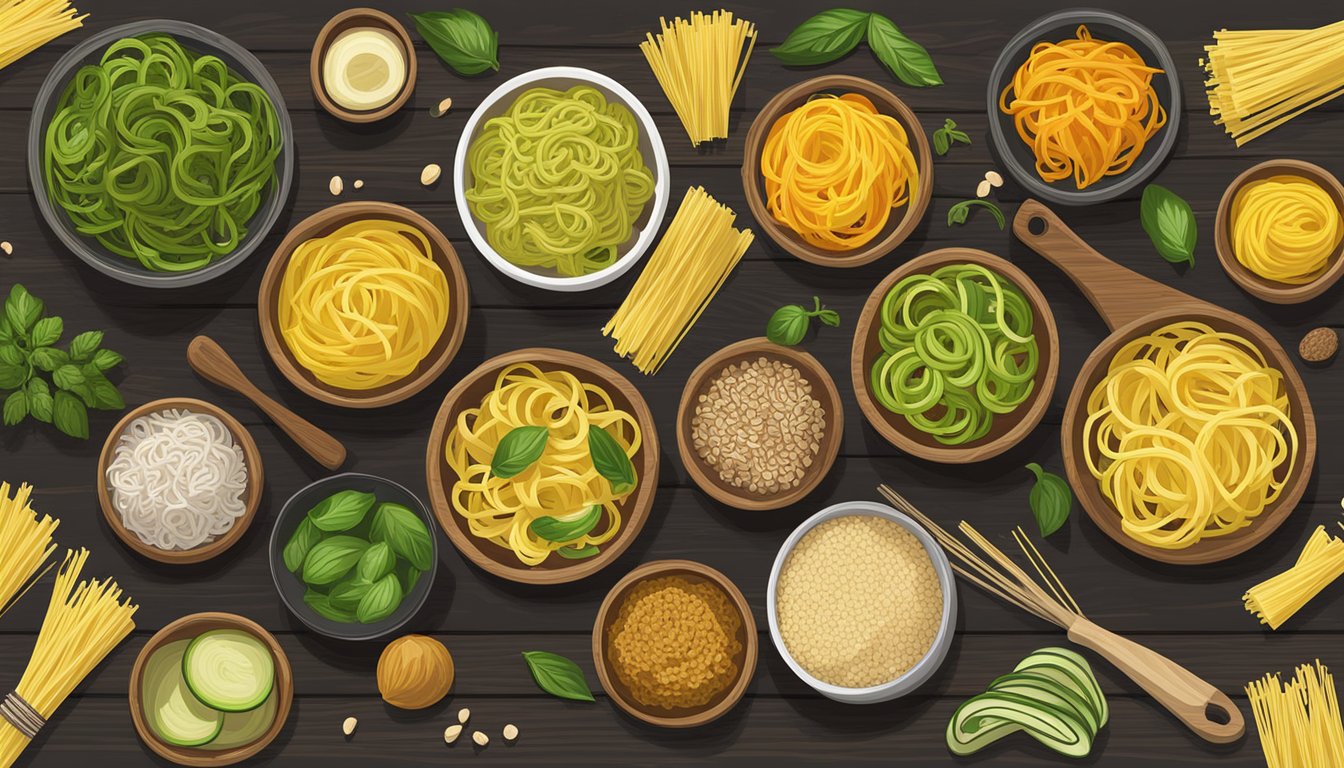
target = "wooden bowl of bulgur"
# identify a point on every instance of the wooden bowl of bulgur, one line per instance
(862, 603)
(759, 424)
(675, 644)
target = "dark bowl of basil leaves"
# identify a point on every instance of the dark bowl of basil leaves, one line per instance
(354, 556)
(1017, 156)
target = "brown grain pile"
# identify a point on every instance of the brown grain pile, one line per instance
(759, 426)
(674, 643)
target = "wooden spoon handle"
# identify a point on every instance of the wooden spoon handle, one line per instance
(1183, 694)
(1120, 295)
(210, 360)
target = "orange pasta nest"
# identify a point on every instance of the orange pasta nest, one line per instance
(1085, 107)
(835, 168)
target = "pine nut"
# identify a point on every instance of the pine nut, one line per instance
(442, 107)
(994, 179)
(336, 185)
(348, 727)
(7, 248)
(359, 183)
(430, 174)
(982, 190)
(510, 732)
(463, 715)
(480, 738)
(451, 733)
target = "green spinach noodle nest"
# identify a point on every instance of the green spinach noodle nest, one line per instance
(957, 349)
(160, 154)
(558, 180)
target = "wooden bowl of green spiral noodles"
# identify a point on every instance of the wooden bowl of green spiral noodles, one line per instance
(585, 187)
(955, 356)
(218, 176)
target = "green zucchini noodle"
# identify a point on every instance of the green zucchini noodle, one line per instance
(161, 155)
(957, 348)
(558, 180)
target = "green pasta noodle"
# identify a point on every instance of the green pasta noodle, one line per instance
(957, 349)
(160, 154)
(558, 180)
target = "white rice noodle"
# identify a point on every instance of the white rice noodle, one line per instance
(178, 479)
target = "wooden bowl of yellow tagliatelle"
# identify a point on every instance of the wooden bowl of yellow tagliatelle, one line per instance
(345, 273)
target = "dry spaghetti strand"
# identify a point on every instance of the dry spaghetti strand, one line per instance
(1298, 721)
(1085, 107)
(700, 63)
(26, 25)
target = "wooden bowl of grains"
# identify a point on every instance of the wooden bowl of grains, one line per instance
(759, 424)
(675, 644)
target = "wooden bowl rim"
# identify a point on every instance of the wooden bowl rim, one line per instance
(891, 105)
(349, 19)
(1263, 288)
(256, 481)
(823, 388)
(328, 219)
(1107, 518)
(196, 757)
(1023, 420)
(750, 645)
(636, 512)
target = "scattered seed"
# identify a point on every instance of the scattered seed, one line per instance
(510, 732)
(994, 179)
(430, 174)
(348, 727)
(982, 190)
(7, 248)
(480, 738)
(336, 185)
(451, 733)
(463, 715)
(359, 183)
(441, 108)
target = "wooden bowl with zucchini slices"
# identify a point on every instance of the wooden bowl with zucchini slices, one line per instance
(210, 689)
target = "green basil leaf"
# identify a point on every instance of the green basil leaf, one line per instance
(300, 543)
(40, 402)
(465, 41)
(906, 59)
(6, 333)
(321, 605)
(1170, 224)
(10, 354)
(567, 527)
(409, 575)
(788, 325)
(376, 562)
(67, 377)
(518, 450)
(70, 416)
(341, 511)
(49, 359)
(331, 559)
(16, 407)
(829, 317)
(85, 393)
(958, 213)
(22, 310)
(944, 137)
(13, 376)
(941, 142)
(105, 359)
(558, 676)
(84, 345)
(347, 594)
(47, 331)
(577, 553)
(380, 601)
(405, 532)
(610, 461)
(823, 38)
(1051, 500)
(106, 396)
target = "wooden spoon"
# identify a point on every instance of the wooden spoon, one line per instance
(210, 360)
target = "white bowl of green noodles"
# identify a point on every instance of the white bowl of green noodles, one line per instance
(585, 201)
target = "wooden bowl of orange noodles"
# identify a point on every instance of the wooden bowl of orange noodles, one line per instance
(883, 193)
(1052, 150)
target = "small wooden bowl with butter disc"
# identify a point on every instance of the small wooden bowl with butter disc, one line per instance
(363, 66)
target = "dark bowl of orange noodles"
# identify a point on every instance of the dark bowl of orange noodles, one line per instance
(1084, 106)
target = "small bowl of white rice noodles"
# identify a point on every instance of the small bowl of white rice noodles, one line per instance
(179, 480)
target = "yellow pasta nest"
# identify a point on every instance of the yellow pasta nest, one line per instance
(1285, 228)
(674, 643)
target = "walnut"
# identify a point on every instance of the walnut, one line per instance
(414, 672)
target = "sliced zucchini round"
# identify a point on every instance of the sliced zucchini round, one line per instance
(172, 712)
(243, 728)
(990, 716)
(229, 669)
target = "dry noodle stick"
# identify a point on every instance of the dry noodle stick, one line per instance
(25, 544)
(1276, 599)
(700, 63)
(26, 25)
(1299, 722)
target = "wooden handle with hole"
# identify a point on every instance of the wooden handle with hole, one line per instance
(1176, 688)
(210, 360)
(1119, 294)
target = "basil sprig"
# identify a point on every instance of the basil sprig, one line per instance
(518, 450)
(1170, 224)
(960, 212)
(610, 461)
(558, 675)
(832, 34)
(791, 322)
(1051, 500)
(945, 137)
(465, 41)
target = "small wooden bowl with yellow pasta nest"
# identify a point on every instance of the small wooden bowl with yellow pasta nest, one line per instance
(542, 465)
(884, 193)
(363, 304)
(1280, 231)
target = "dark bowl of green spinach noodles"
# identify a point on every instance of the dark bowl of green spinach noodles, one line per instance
(394, 520)
(160, 153)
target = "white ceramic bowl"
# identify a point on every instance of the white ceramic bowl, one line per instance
(916, 675)
(650, 146)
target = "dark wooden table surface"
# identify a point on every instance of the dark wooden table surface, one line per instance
(1192, 614)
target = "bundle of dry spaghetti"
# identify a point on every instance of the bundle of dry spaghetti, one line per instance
(25, 544)
(1275, 600)
(26, 25)
(699, 63)
(85, 621)
(1261, 79)
(1299, 722)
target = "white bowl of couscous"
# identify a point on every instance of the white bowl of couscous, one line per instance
(862, 603)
